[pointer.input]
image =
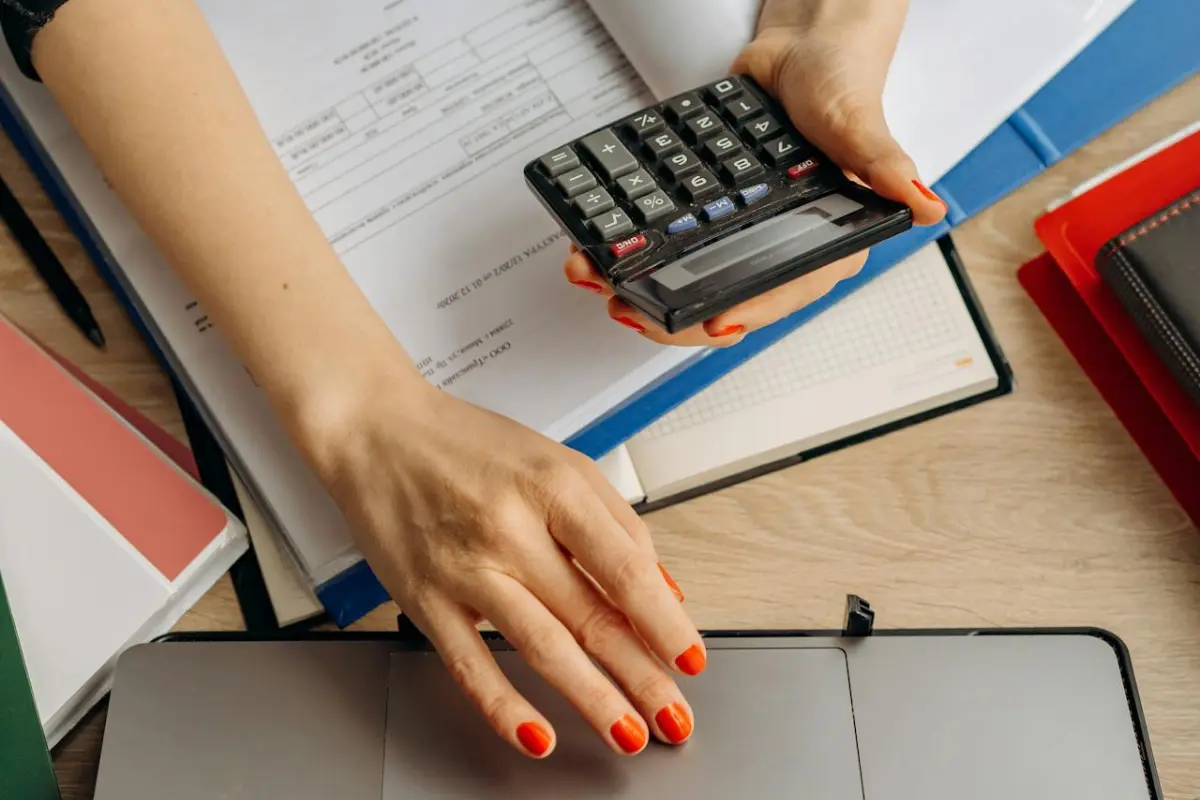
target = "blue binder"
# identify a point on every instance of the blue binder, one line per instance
(1145, 52)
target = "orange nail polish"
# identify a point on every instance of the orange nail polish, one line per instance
(590, 286)
(533, 738)
(628, 734)
(729, 330)
(671, 583)
(692, 660)
(674, 722)
(925, 190)
(629, 323)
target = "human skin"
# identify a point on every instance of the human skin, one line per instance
(464, 515)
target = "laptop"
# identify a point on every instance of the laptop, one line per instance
(965, 715)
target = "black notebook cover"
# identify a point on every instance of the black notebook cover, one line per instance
(1154, 270)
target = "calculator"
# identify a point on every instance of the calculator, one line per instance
(692, 206)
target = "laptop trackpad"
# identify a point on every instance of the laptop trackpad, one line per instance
(770, 723)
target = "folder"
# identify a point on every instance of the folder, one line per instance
(1147, 50)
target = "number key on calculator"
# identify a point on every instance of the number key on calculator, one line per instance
(699, 203)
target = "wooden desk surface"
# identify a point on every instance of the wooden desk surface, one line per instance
(1035, 509)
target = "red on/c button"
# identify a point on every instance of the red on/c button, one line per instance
(629, 246)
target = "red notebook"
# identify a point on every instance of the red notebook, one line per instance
(1074, 231)
(1115, 379)
(1087, 316)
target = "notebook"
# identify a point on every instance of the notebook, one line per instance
(396, 61)
(1090, 320)
(26, 771)
(104, 542)
(907, 346)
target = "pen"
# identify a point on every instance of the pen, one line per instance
(48, 266)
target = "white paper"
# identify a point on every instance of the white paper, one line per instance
(677, 45)
(962, 67)
(406, 127)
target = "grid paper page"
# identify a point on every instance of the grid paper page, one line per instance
(902, 312)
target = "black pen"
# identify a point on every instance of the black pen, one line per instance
(48, 266)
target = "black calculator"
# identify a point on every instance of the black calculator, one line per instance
(697, 204)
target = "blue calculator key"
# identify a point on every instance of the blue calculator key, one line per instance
(722, 207)
(752, 194)
(684, 223)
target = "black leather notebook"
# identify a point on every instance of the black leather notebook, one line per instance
(1154, 270)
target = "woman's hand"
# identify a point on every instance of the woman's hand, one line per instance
(466, 515)
(827, 62)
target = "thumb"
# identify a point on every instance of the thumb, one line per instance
(861, 144)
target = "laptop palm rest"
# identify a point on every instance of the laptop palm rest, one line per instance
(801, 697)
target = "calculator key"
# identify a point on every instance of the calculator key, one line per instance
(612, 225)
(636, 184)
(752, 194)
(576, 181)
(560, 161)
(742, 108)
(629, 246)
(742, 167)
(685, 223)
(681, 163)
(725, 89)
(684, 106)
(594, 202)
(698, 184)
(647, 123)
(662, 144)
(722, 207)
(797, 171)
(779, 151)
(607, 151)
(653, 206)
(762, 129)
(722, 147)
(703, 126)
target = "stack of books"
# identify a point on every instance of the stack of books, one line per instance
(107, 538)
(400, 121)
(1120, 284)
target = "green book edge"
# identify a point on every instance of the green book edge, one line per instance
(26, 770)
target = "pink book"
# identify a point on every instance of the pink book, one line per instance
(105, 541)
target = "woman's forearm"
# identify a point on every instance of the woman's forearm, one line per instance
(147, 87)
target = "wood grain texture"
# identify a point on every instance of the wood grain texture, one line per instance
(1035, 509)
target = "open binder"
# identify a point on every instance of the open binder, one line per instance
(1146, 51)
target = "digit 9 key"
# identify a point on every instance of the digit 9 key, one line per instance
(697, 204)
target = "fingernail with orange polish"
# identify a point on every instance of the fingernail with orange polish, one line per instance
(671, 583)
(590, 286)
(629, 323)
(692, 660)
(533, 738)
(674, 722)
(925, 190)
(729, 330)
(628, 734)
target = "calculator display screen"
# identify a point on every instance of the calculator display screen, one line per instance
(764, 246)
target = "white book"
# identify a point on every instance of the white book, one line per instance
(104, 542)
(905, 345)
(405, 126)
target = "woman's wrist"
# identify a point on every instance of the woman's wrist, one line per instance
(324, 407)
